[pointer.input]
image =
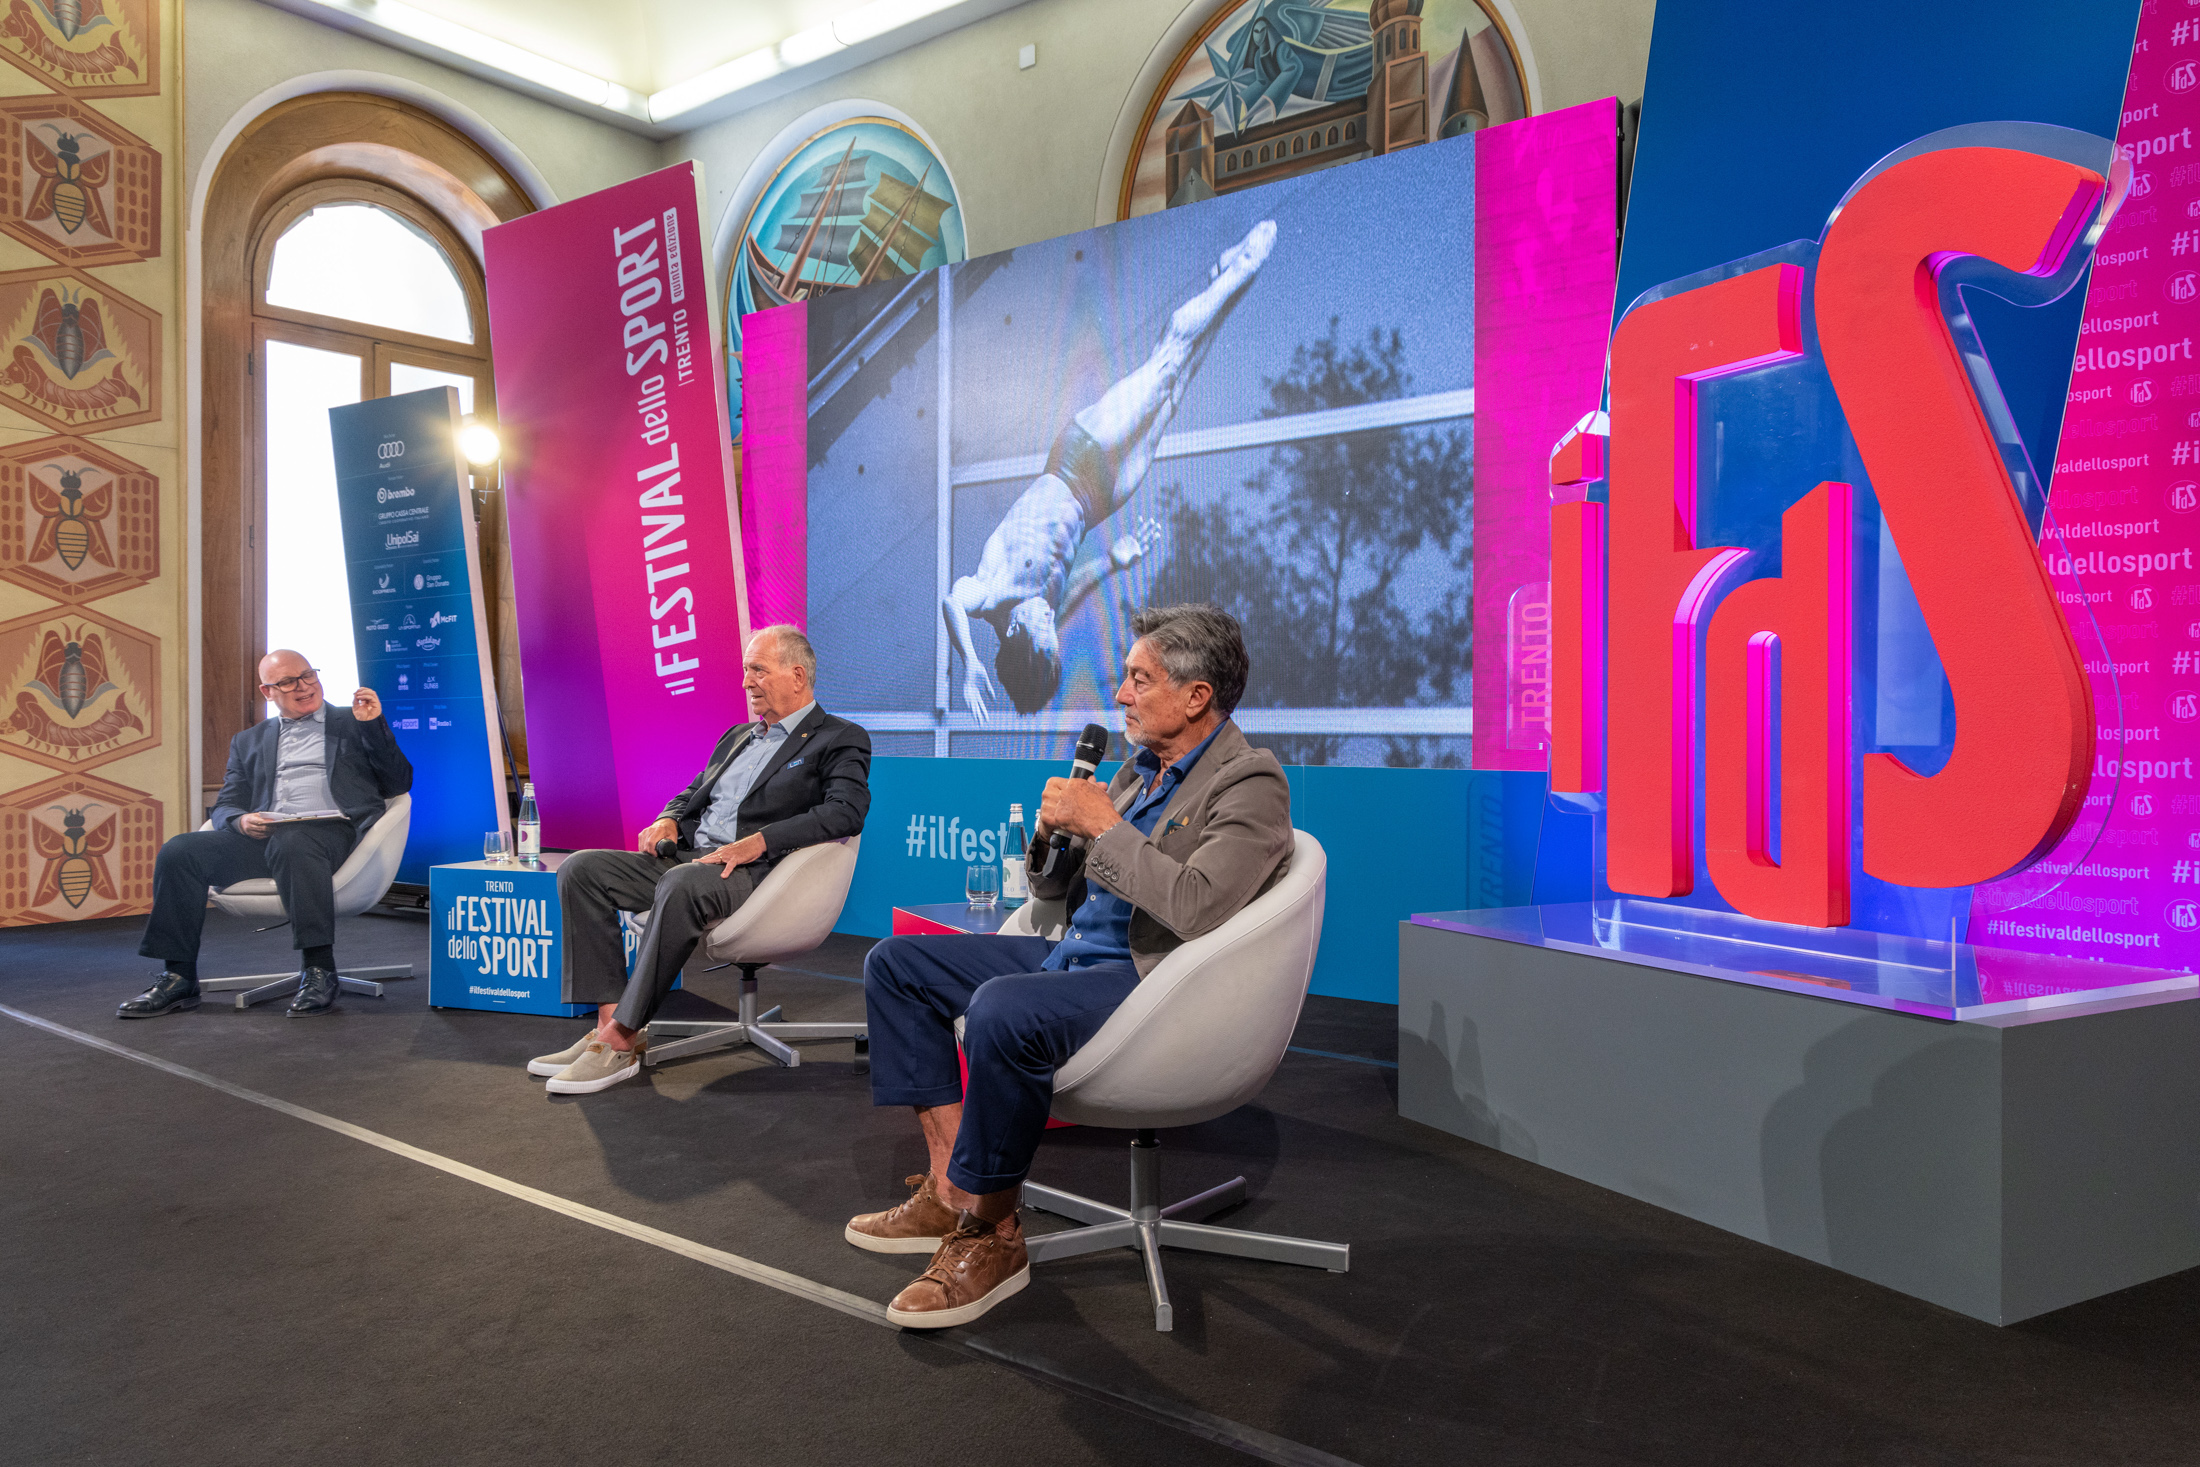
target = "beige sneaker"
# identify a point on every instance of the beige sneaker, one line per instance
(599, 1068)
(549, 1064)
(919, 1225)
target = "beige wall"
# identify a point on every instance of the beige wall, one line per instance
(1028, 148)
(1025, 147)
(236, 49)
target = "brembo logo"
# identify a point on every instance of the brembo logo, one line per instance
(1657, 636)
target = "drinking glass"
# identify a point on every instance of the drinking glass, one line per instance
(982, 884)
(492, 846)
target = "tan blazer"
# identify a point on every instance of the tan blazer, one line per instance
(1224, 838)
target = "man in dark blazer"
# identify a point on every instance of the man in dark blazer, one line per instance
(796, 777)
(310, 758)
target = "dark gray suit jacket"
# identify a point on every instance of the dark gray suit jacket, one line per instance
(365, 767)
(817, 787)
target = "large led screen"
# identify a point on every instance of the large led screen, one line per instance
(1265, 400)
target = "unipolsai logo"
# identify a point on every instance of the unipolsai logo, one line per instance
(2142, 805)
(2182, 286)
(2184, 707)
(2142, 598)
(2184, 915)
(2185, 497)
(2182, 77)
(2142, 391)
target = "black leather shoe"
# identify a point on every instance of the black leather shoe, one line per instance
(316, 994)
(168, 993)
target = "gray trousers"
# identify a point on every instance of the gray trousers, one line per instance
(684, 901)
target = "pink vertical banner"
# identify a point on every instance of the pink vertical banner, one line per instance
(2120, 541)
(775, 463)
(611, 397)
(1546, 257)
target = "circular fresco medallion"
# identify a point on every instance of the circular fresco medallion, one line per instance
(861, 202)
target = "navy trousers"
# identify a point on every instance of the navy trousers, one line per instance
(302, 858)
(1021, 1025)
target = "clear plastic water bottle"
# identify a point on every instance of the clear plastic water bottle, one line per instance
(1015, 876)
(530, 826)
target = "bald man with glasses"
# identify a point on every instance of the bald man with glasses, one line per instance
(341, 764)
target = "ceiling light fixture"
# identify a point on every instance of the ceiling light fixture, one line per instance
(722, 80)
(804, 47)
(876, 19)
(483, 49)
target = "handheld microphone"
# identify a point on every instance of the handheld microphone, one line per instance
(1092, 747)
(668, 848)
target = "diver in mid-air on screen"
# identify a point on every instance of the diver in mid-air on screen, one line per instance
(1024, 584)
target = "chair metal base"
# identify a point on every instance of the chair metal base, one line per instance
(671, 1039)
(261, 987)
(1150, 1227)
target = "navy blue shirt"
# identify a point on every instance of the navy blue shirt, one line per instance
(1100, 930)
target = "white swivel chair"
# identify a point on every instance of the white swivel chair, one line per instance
(1197, 1038)
(362, 880)
(791, 912)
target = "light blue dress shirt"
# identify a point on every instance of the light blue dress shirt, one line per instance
(1100, 929)
(721, 824)
(301, 765)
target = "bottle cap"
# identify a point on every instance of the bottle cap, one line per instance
(1015, 812)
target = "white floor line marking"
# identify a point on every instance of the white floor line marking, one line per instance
(733, 1263)
(1184, 1417)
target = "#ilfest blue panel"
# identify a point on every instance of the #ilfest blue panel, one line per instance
(417, 620)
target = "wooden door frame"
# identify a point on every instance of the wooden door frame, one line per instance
(353, 139)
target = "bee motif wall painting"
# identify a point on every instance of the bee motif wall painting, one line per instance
(77, 354)
(76, 848)
(88, 48)
(75, 186)
(79, 691)
(76, 522)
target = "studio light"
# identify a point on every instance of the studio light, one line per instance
(479, 443)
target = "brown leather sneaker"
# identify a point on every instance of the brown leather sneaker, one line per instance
(919, 1225)
(978, 1265)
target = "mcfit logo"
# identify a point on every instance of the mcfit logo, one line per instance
(1683, 630)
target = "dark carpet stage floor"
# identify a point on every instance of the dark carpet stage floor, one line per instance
(187, 1276)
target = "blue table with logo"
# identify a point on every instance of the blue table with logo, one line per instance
(498, 938)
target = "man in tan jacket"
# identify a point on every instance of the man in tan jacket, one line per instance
(1188, 832)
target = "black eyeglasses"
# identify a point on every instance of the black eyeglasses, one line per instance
(292, 684)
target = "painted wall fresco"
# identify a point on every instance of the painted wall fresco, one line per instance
(862, 201)
(93, 665)
(1271, 89)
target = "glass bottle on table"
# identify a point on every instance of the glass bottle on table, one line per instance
(1015, 875)
(529, 827)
